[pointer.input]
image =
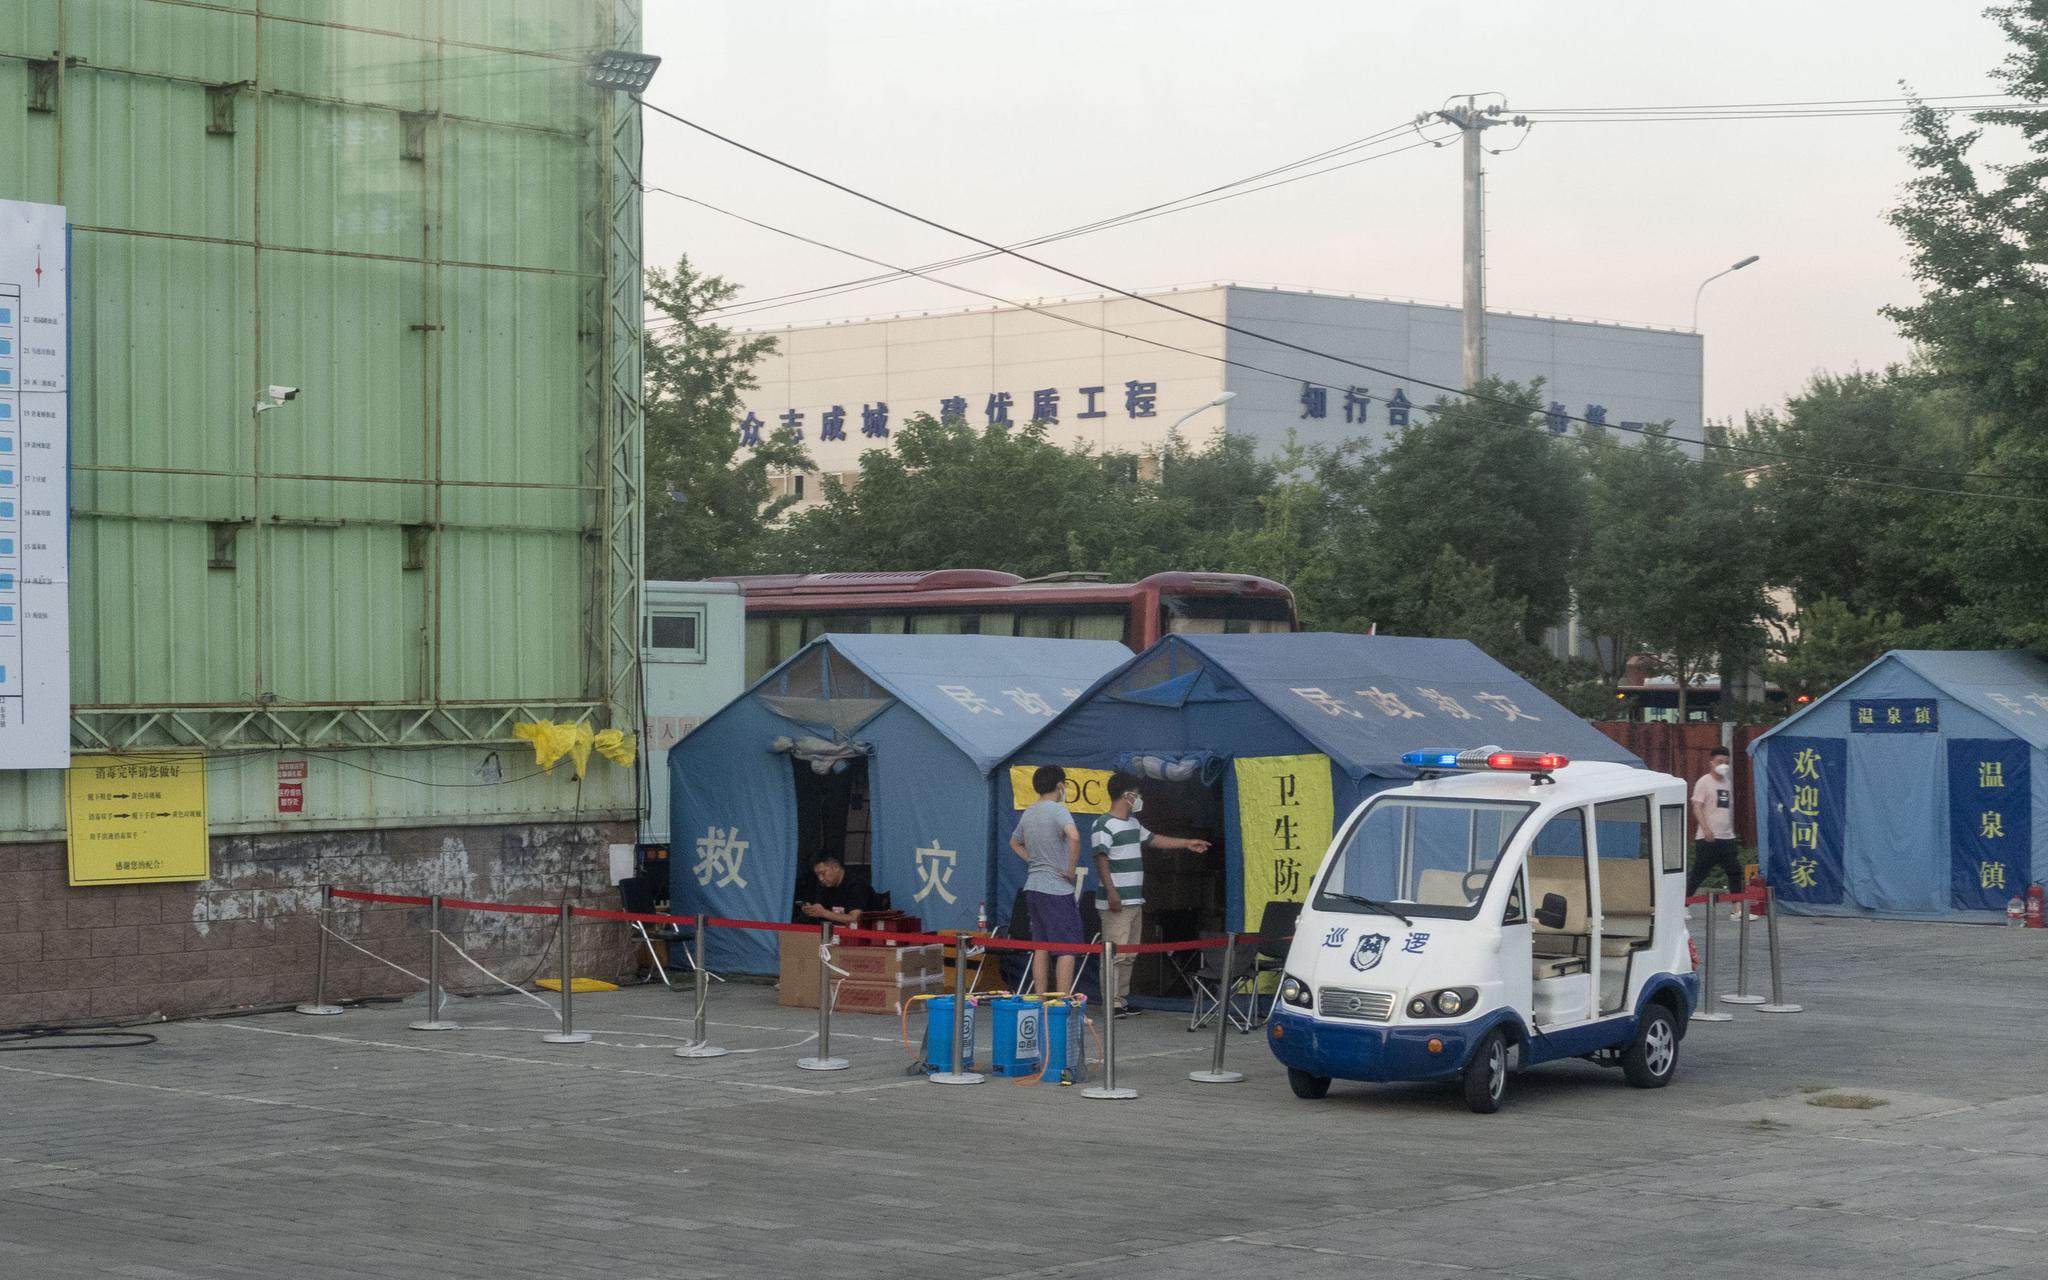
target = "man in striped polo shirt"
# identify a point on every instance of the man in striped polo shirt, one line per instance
(1118, 844)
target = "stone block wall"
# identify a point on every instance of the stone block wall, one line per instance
(248, 938)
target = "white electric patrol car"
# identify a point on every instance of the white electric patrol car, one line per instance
(1508, 908)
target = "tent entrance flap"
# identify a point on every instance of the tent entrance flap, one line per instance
(1184, 891)
(832, 814)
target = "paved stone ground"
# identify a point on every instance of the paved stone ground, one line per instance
(283, 1146)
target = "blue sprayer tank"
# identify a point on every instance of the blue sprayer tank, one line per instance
(1066, 1051)
(1016, 1026)
(938, 1035)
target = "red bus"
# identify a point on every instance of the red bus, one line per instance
(785, 611)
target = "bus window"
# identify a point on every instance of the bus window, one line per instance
(998, 624)
(760, 646)
(1218, 615)
(1102, 626)
(937, 624)
(1042, 626)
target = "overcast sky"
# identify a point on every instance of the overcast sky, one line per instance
(1011, 118)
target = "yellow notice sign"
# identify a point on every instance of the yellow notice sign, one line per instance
(137, 819)
(1087, 789)
(1284, 815)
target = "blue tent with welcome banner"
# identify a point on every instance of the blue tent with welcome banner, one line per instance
(918, 722)
(1273, 739)
(1915, 789)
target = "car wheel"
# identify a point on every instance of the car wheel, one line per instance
(1306, 1085)
(1652, 1057)
(1486, 1073)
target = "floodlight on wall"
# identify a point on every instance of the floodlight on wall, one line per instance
(623, 70)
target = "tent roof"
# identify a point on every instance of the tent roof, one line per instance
(979, 691)
(2009, 687)
(1330, 688)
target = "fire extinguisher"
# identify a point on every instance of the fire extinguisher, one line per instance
(2036, 906)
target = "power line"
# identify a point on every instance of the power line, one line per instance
(1228, 327)
(1271, 373)
(1181, 204)
(1808, 102)
(949, 264)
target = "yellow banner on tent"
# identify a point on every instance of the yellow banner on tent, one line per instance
(137, 819)
(1284, 817)
(1087, 789)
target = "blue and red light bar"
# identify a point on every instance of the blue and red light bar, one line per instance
(1486, 758)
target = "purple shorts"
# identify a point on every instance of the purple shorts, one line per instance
(1055, 917)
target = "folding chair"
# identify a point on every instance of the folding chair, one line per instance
(636, 894)
(1206, 995)
(1276, 935)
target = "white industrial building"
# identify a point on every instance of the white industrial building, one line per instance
(1115, 374)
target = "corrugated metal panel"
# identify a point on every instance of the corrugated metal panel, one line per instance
(412, 370)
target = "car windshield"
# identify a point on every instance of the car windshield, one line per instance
(1420, 857)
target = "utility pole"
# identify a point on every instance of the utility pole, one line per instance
(1472, 121)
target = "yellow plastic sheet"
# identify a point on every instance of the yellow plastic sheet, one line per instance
(617, 747)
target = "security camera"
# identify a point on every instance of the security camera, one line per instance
(275, 396)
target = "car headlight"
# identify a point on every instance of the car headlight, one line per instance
(1446, 1003)
(1295, 992)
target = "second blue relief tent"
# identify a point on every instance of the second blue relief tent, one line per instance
(873, 747)
(1263, 744)
(1914, 789)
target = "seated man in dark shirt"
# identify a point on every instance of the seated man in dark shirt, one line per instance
(834, 894)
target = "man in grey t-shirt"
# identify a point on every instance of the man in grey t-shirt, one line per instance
(1050, 845)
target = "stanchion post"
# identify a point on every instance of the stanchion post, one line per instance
(319, 1007)
(1742, 994)
(823, 1059)
(1216, 1074)
(433, 1021)
(958, 1072)
(568, 1034)
(1108, 1088)
(700, 1045)
(1778, 1003)
(1710, 1004)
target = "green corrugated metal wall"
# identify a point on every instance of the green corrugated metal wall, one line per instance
(436, 309)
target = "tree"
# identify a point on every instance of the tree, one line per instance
(1835, 642)
(1825, 532)
(1667, 568)
(1978, 242)
(708, 508)
(1483, 478)
(948, 495)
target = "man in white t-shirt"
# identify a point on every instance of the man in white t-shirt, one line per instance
(1713, 826)
(1118, 843)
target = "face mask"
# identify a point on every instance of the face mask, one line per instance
(1137, 804)
(1720, 770)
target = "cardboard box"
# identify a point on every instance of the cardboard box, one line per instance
(889, 964)
(799, 970)
(883, 997)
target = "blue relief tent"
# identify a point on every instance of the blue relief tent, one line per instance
(1210, 707)
(1915, 789)
(928, 717)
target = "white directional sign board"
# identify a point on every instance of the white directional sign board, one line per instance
(35, 465)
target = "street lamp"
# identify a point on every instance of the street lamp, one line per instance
(1709, 280)
(1224, 398)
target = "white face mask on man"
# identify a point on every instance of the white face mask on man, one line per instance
(1137, 804)
(1721, 770)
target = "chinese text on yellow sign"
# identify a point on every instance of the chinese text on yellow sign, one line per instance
(1284, 813)
(137, 820)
